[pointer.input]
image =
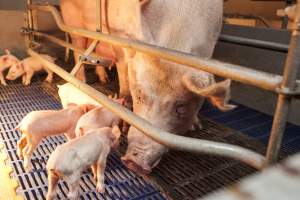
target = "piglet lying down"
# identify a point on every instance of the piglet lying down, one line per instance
(38, 125)
(69, 160)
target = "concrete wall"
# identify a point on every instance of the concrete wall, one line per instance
(12, 18)
(267, 9)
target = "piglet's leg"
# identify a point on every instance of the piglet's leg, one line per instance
(29, 75)
(101, 165)
(21, 144)
(52, 182)
(49, 76)
(94, 170)
(73, 183)
(102, 75)
(2, 80)
(24, 79)
(27, 156)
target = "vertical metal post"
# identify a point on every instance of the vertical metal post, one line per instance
(67, 50)
(284, 101)
(29, 23)
(285, 19)
(99, 16)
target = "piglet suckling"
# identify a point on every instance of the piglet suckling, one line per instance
(27, 67)
(38, 125)
(6, 61)
(70, 159)
(98, 117)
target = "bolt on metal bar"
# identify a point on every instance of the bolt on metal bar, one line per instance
(102, 61)
(86, 53)
(284, 102)
(171, 140)
(242, 74)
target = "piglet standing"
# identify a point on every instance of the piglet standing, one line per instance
(98, 117)
(27, 67)
(6, 61)
(38, 125)
(69, 160)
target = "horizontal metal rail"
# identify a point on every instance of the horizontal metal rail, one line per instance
(171, 140)
(254, 43)
(235, 72)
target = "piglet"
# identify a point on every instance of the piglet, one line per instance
(40, 124)
(69, 94)
(6, 61)
(69, 160)
(27, 67)
(98, 117)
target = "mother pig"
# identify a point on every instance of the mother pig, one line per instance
(166, 94)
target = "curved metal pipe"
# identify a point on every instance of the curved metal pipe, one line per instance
(171, 140)
(242, 74)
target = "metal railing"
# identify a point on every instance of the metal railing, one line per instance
(286, 86)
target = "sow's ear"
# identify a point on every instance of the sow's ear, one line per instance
(218, 93)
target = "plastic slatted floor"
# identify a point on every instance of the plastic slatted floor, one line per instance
(15, 102)
(254, 124)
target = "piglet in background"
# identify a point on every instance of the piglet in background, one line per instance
(27, 67)
(6, 61)
(38, 125)
(69, 94)
(69, 160)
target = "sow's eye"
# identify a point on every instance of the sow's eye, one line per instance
(181, 110)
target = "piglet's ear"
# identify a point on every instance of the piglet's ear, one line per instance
(81, 131)
(20, 66)
(88, 107)
(7, 52)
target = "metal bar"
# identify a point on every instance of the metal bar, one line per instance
(165, 138)
(67, 50)
(86, 53)
(254, 43)
(99, 16)
(242, 74)
(102, 61)
(284, 102)
(29, 23)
